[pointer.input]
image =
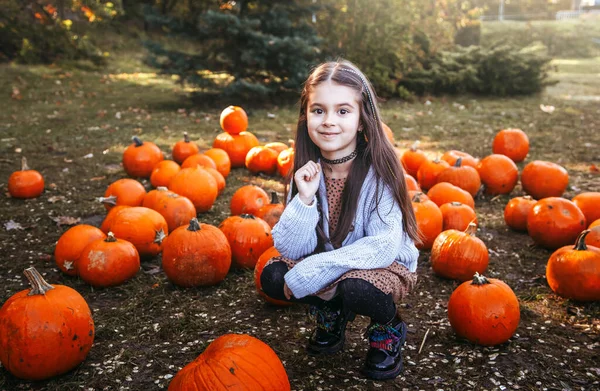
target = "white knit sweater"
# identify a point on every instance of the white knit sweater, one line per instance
(376, 241)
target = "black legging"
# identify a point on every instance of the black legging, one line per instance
(355, 294)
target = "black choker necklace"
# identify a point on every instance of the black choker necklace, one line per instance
(342, 159)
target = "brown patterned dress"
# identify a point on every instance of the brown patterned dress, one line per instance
(395, 279)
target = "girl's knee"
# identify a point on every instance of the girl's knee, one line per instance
(272, 280)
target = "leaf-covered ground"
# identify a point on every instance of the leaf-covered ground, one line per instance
(73, 125)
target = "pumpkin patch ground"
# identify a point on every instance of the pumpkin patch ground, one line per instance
(73, 126)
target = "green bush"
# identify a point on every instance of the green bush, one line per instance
(565, 38)
(502, 70)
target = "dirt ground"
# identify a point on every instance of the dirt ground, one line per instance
(73, 124)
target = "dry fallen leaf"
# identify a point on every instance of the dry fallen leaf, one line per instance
(594, 168)
(54, 199)
(11, 224)
(66, 220)
(97, 178)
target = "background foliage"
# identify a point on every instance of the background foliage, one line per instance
(257, 49)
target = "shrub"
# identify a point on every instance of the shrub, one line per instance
(502, 70)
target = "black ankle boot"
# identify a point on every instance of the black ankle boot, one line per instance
(384, 358)
(330, 333)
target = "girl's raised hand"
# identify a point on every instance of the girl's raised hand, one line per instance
(307, 180)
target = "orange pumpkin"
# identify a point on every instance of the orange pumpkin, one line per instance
(542, 179)
(124, 191)
(198, 185)
(220, 179)
(183, 149)
(459, 254)
(388, 133)
(258, 269)
(199, 159)
(516, 211)
(285, 161)
(236, 146)
(108, 262)
(593, 238)
(143, 227)
(271, 212)
(26, 183)
(412, 159)
(574, 272)
(248, 237)
(262, 159)
(429, 221)
(233, 362)
(221, 159)
(453, 155)
(513, 143)
(110, 216)
(498, 173)
(176, 210)
(277, 146)
(554, 222)
(429, 172)
(589, 203)
(457, 216)
(484, 311)
(411, 183)
(233, 120)
(70, 245)
(163, 173)
(196, 255)
(140, 158)
(45, 331)
(465, 177)
(248, 199)
(154, 196)
(444, 192)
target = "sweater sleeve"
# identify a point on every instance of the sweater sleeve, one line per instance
(295, 234)
(384, 242)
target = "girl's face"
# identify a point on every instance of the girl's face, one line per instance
(333, 117)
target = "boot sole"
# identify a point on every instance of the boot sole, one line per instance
(316, 351)
(384, 375)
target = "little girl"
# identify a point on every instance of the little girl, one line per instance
(346, 236)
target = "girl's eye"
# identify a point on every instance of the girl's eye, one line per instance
(343, 111)
(318, 111)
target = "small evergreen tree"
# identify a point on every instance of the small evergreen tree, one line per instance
(246, 48)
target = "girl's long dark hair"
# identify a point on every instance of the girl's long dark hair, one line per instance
(374, 150)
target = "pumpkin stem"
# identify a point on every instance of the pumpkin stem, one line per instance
(162, 188)
(110, 238)
(247, 216)
(24, 166)
(274, 198)
(471, 229)
(194, 225)
(455, 203)
(291, 143)
(137, 141)
(186, 138)
(458, 162)
(39, 286)
(417, 197)
(527, 197)
(415, 145)
(479, 279)
(112, 200)
(159, 237)
(580, 242)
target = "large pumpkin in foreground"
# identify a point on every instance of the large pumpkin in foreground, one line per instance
(45, 331)
(573, 272)
(233, 362)
(484, 311)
